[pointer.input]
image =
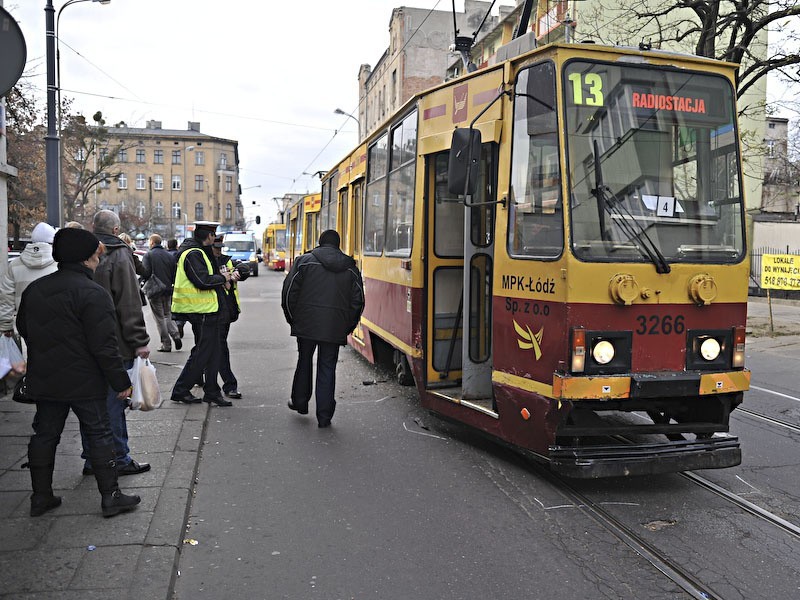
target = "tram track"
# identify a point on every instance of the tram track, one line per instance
(770, 420)
(663, 563)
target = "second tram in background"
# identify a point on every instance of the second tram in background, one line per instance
(553, 251)
(273, 245)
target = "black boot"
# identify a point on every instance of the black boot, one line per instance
(42, 498)
(105, 472)
(41, 464)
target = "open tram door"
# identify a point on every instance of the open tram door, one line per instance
(460, 240)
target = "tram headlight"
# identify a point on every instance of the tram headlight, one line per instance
(603, 352)
(710, 349)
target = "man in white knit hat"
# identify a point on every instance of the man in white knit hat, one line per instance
(35, 261)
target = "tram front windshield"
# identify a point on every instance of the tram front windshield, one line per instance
(653, 165)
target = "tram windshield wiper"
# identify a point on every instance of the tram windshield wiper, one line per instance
(608, 202)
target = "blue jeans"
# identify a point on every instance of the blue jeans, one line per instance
(119, 426)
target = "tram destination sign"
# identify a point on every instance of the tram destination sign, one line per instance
(780, 271)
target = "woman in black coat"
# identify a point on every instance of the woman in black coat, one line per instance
(69, 327)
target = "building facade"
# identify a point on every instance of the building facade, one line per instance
(165, 179)
(416, 59)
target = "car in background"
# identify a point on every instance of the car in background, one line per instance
(242, 246)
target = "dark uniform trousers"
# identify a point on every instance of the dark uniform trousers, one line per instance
(204, 358)
(326, 377)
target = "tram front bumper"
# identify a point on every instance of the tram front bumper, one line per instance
(590, 462)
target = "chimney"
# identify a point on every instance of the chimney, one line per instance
(154, 125)
(194, 126)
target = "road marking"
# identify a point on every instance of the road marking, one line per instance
(760, 389)
(370, 401)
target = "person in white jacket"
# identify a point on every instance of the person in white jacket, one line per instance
(35, 261)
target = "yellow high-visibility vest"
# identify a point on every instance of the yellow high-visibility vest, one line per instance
(186, 298)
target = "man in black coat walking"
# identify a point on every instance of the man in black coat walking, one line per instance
(69, 325)
(322, 299)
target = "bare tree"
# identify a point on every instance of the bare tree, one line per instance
(26, 192)
(729, 30)
(89, 160)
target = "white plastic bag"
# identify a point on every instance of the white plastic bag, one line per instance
(146, 393)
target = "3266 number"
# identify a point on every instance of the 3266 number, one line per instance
(655, 325)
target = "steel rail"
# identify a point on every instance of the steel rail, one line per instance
(772, 420)
(682, 578)
(745, 505)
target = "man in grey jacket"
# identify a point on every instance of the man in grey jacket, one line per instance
(117, 274)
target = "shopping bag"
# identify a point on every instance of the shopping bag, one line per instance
(146, 394)
(9, 349)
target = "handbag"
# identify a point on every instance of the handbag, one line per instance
(146, 394)
(154, 287)
(21, 392)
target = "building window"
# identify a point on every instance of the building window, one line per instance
(158, 157)
(80, 154)
(176, 210)
(158, 182)
(228, 183)
(140, 181)
(122, 155)
(103, 154)
(228, 211)
(176, 157)
(771, 148)
(122, 181)
(223, 160)
(198, 183)
(159, 210)
(104, 183)
(772, 125)
(176, 183)
(198, 211)
(199, 157)
(140, 210)
(140, 155)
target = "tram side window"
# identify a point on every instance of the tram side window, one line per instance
(400, 217)
(448, 215)
(535, 220)
(375, 196)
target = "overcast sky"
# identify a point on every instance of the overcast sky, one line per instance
(267, 74)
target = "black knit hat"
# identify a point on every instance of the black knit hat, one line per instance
(74, 245)
(329, 237)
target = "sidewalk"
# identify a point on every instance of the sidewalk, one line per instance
(72, 551)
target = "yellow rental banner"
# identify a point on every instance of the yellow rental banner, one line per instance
(780, 271)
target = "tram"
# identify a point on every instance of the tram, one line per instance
(302, 218)
(554, 252)
(273, 244)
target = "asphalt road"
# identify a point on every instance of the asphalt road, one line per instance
(393, 503)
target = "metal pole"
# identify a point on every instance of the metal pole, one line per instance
(52, 141)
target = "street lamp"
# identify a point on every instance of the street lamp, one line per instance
(52, 139)
(339, 111)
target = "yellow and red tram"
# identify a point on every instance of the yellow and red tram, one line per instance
(553, 251)
(273, 244)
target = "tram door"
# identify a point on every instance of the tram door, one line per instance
(459, 275)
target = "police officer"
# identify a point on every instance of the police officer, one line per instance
(198, 298)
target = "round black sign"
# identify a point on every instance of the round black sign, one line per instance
(13, 51)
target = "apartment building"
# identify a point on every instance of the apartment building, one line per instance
(165, 179)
